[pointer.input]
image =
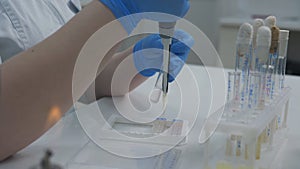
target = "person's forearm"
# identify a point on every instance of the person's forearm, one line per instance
(121, 65)
(36, 85)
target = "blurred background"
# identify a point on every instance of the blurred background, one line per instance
(220, 21)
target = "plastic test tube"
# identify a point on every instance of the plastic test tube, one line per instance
(269, 83)
(256, 25)
(282, 58)
(243, 68)
(229, 147)
(263, 87)
(233, 95)
(261, 96)
(262, 49)
(238, 146)
(262, 54)
(243, 58)
(281, 69)
(272, 132)
(273, 59)
(266, 85)
(258, 146)
(157, 91)
(254, 90)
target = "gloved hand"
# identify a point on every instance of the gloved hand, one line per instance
(148, 54)
(122, 8)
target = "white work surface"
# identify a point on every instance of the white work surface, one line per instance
(66, 138)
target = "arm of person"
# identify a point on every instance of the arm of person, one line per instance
(36, 85)
(115, 79)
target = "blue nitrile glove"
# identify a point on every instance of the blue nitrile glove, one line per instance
(122, 8)
(148, 54)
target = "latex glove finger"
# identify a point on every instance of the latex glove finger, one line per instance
(182, 42)
(176, 65)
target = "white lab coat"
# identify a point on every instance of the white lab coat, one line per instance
(24, 23)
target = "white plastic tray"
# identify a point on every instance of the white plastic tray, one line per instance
(119, 128)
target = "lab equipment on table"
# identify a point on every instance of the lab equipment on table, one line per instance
(155, 95)
(243, 59)
(252, 137)
(270, 21)
(166, 30)
(262, 54)
(282, 57)
(170, 131)
(263, 43)
(115, 142)
(233, 95)
(268, 71)
(273, 59)
(46, 163)
(256, 25)
(253, 144)
(254, 90)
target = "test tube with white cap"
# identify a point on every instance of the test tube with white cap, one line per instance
(273, 59)
(243, 58)
(263, 43)
(270, 21)
(256, 25)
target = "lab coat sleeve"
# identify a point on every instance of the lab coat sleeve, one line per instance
(23, 22)
(10, 41)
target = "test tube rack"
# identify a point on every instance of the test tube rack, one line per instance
(252, 144)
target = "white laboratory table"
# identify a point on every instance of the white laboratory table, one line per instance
(67, 136)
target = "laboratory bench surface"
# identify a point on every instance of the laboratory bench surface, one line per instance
(66, 138)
